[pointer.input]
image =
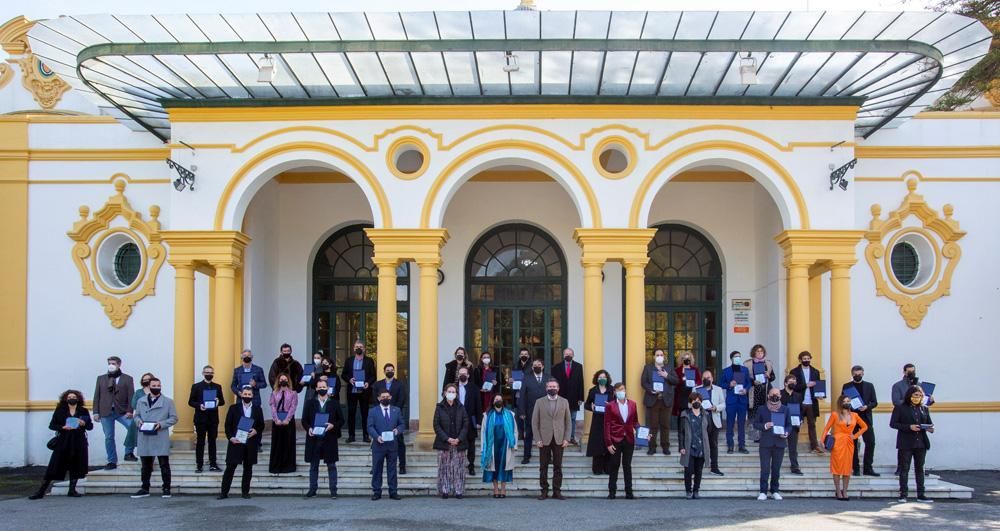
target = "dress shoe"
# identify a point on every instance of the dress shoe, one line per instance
(797, 472)
(573, 442)
(110, 466)
(543, 496)
(214, 468)
(666, 452)
(558, 496)
(311, 494)
(651, 451)
(872, 473)
(525, 461)
(141, 493)
(458, 496)
(367, 439)
(695, 496)
(611, 496)
(222, 496)
(856, 473)
(717, 472)
(402, 471)
(131, 457)
(744, 450)
(74, 494)
(198, 470)
(245, 496)
(629, 496)
(472, 470)
(444, 495)
(395, 497)
(350, 440)
(376, 497)
(729, 450)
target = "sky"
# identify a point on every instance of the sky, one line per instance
(40, 9)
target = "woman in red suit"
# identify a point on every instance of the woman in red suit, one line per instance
(621, 419)
(841, 425)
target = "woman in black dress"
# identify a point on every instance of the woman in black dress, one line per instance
(596, 448)
(70, 451)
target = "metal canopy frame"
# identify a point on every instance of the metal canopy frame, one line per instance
(891, 65)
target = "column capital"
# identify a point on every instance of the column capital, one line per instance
(621, 245)
(214, 248)
(408, 244)
(807, 247)
(385, 263)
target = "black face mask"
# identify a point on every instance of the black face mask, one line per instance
(858, 377)
(696, 405)
(389, 374)
(155, 391)
(247, 359)
(247, 399)
(463, 378)
(498, 405)
(322, 392)
(774, 398)
(707, 382)
(359, 351)
(912, 377)
(286, 355)
(208, 377)
(551, 392)
(384, 401)
(568, 358)
(145, 383)
(687, 362)
(460, 357)
(790, 385)
(72, 401)
(538, 370)
(524, 358)
(846, 405)
(283, 383)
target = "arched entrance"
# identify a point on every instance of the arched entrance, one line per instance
(683, 296)
(516, 295)
(345, 298)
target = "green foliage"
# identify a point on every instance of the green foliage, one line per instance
(985, 75)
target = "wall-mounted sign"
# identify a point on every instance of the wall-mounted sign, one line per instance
(741, 309)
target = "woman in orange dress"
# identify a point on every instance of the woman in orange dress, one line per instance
(841, 425)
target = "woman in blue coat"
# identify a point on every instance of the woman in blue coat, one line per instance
(499, 436)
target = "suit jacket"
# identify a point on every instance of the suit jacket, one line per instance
(617, 429)
(767, 437)
(398, 391)
(209, 416)
(450, 422)
(899, 391)
(108, 393)
(347, 372)
(162, 411)
(555, 426)
(735, 402)
(377, 424)
(257, 373)
(905, 415)
(868, 397)
(802, 387)
(239, 453)
(649, 397)
(326, 447)
(687, 440)
(718, 398)
(526, 369)
(473, 405)
(292, 367)
(570, 388)
(451, 371)
(531, 391)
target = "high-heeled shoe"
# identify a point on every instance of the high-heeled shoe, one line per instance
(40, 493)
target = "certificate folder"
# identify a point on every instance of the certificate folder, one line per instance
(243, 429)
(657, 382)
(245, 378)
(852, 393)
(359, 378)
(690, 376)
(72, 423)
(778, 421)
(795, 414)
(307, 372)
(518, 379)
(642, 437)
(209, 399)
(760, 372)
(819, 390)
(319, 423)
(600, 401)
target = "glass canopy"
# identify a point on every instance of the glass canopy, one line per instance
(892, 64)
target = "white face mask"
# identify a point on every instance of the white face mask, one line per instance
(486, 361)
(620, 395)
(450, 395)
(317, 361)
(659, 360)
(112, 367)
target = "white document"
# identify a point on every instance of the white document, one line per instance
(148, 427)
(319, 430)
(388, 436)
(778, 430)
(760, 378)
(598, 409)
(487, 386)
(306, 378)
(579, 415)
(242, 436)
(923, 401)
(359, 384)
(690, 383)
(856, 403)
(707, 404)
(516, 385)
(210, 404)
(642, 433)
(739, 389)
(657, 387)
(796, 421)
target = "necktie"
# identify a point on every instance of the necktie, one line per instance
(386, 411)
(569, 367)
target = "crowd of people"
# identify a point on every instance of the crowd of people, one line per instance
(476, 413)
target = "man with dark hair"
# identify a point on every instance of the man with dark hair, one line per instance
(359, 374)
(806, 377)
(621, 420)
(399, 394)
(867, 392)
(550, 422)
(532, 388)
(113, 403)
(658, 384)
(522, 364)
(468, 396)
(206, 418)
(569, 374)
(242, 451)
(385, 420)
(286, 364)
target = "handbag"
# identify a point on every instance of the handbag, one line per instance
(828, 443)
(51, 445)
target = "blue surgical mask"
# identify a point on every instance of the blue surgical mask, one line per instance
(737, 360)
(620, 395)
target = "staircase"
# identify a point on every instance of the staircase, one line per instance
(653, 476)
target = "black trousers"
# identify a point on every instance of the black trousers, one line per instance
(713, 445)
(917, 455)
(208, 431)
(770, 468)
(470, 452)
(621, 458)
(147, 470)
(528, 436)
(793, 447)
(354, 402)
(227, 475)
(550, 453)
(693, 472)
(401, 450)
(869, 438)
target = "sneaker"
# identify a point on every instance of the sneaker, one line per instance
(110, 466)
(718, 472)
(729, 450)
(131, 457)
(924, 499)
(141, 493)
(214, 468)
(198, 470)
(761, 497)
(796, 471)
(902, 499)
(744, 451)
(776, 496)
(166, 494)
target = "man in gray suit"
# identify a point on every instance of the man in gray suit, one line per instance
(532, 388)
(155, 414)
(551, 422)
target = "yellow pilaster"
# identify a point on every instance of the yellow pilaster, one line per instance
(238, 315)
(422, 246)
(14, 266)
(183, 346)
(635, 329)
(386, 348)
(840, 325)
(593, 323)
(816, 318)
(798, 312)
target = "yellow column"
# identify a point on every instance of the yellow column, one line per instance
(183, 347)
(221, 353)
(386, 348)
(14, 266)
(797, 312)
(816, 319)
(840, 326)
(238, 317)
(593, 323)
(635, 331)
(428, 357)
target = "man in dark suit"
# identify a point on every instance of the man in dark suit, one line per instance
(206, 419)
(286, 364)
(382, 419)
(658, 397)
(789, 395)
(867, 392)
(237, 452)
(522, 364)
(619, 435)
(322, 447)
(569, 374)
(359, 393)
(399, 397)
(248, 374)
(806, 377)
(532, 388)
(113, 403)
(468, 396)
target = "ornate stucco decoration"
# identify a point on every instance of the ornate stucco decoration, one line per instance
(100, 240)
(935, 240)
(44, 85)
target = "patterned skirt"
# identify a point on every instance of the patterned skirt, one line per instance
(451, 471)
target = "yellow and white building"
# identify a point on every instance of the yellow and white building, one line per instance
(607, 181)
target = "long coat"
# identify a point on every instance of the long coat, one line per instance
(70, 454)
(327, 446)
(450, 422)
(486, 436)
(687, 439)
(595, 442)
(236, 452)
(162, 411)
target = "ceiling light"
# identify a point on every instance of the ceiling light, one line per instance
(748, 70)
(265, 69)
(511, 64)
